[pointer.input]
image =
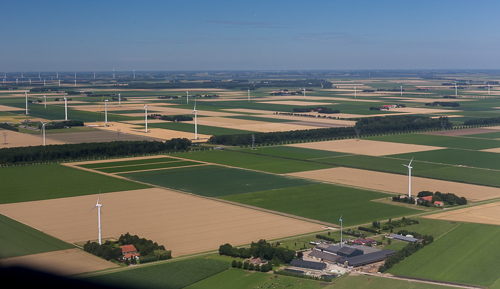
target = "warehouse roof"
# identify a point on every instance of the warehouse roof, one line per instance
(307, 264)
(324, 256)
(403, 238)
(367, 258)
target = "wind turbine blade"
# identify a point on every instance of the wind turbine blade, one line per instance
(92, 209)
(410, 162)
(98, 196)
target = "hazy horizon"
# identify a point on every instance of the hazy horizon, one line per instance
(253, 36)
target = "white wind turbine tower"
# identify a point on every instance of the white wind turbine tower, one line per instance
(45, 101)
(340, 219)
(26, 94)
(355, 92)
(146, 116)
(65, 107)
(187, 97)
(134, 73)
(409, 177)
(195, 121)
(98, 215)
(249, 95)
(488, 88)
(43, 131)
(119, 99)
(106, 112)
(401, 90)
(304, 90)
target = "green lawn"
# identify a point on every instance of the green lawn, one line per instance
(40, 182)
(171, 275)
(254, 162)
(18, 240)
(466, 254)
(215, 181)
(148, 167)
(124, 162)
(325, 202)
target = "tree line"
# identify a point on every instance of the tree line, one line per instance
(321, 109)
(261, 249)
(407, 250)
(482, 121)
(145, 247)
(369, 125)
(33, 154)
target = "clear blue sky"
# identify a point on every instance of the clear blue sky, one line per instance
(248, 35)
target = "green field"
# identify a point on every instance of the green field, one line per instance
(127, 163)
(40, 182)
(18, 240)
(325, 203)
(254, 162)
(439, 141)
(171, 275)
(465, 254)
(214, 181)
(148, 167)
(293, 152)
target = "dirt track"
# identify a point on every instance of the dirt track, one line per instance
(183, 223)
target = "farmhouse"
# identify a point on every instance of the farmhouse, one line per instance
(129, 252)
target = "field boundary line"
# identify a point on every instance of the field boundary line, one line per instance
(458, 225)
(422, 280)
(158, 169)
(100, 168)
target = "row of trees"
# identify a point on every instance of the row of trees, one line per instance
(448, 198)
(322, 109)
(400, 255)
(483, 121)
(106, 251)
(250, 266)
(443, 103)
(171, 117)
(369, 125)
(261, 249)
(8, 127)
(33, 154)
(62, 124)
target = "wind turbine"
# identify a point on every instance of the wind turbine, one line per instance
(195, 121)
(146, 116)
(43, 131)
(45, 101)
(355, 92)
(65, 107)
(134, 73)
(488, 88)
(187, 97)
(340, 219)
(304, 93)
(401, 90)
(26, 94)
(106, 112)
(119, 99)
(409, 177)
(249, 95)
(98, 215)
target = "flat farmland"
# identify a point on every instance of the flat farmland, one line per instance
(176, 220)
(421, 168)
(325, 203)
(439, 141)
(18, 240)
(145, 167)
(215, 181)
(40, 182)
(484, 214)
(63, 262)
(202, 129)
(249, 160)
(398, 184)
(126, 162)
(465, 255)
(17, 139)
(293, 152)
(171, 275)
(364, 147)
(478, 159)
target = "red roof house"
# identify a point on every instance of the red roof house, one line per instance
(129, 251)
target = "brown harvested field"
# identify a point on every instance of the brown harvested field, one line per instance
(398, 183)
(245, 110)
(297, 103)
(352, 99)
(483, 214)
(64, 262)
(96, 136)
(183, 223)
(426, 100)
(250, 125)
(17, 139)
(365, 147)
(9, 108)
(422, 110)
(154, 133)
(459, 132)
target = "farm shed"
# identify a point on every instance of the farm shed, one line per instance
(308, 264)
(403, 238)
(367, 258)
(324, 256)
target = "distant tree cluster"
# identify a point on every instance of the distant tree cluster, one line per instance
(171, 118)
(443, 103)
(320, 109)
(62, 124)
(107, 251)
(168, 97)
(261, 249)
(43, 89)
(8, 127)
(482, 121)
(448, 198)
(390, 89)
(89, 150)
